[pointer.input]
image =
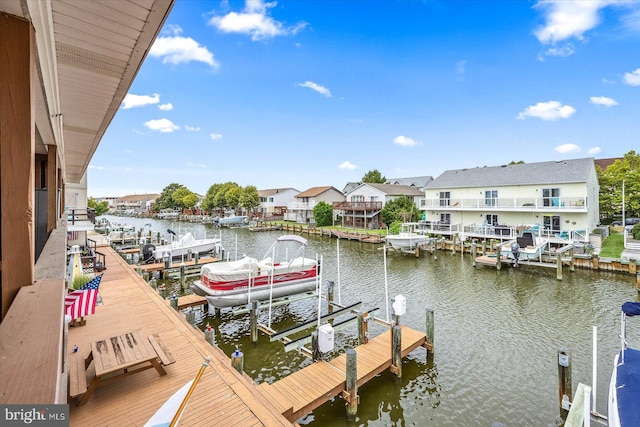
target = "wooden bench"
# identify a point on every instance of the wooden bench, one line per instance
(77, 375)
(163, 354)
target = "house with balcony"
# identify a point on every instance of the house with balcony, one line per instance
(274, 201)
(301, 210)
(558, 198)
(363, 204)
(135, 204)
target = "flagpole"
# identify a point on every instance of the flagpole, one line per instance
(176, 417)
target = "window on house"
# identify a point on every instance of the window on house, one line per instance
(551, 197)
(491, 198)
(270, 199)
(445, 218)
(491, 219)
(445, 198)
(551, 223)
(357, 198)
(373, 199)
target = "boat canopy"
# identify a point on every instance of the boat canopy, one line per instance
(631, 308)
(293, 238)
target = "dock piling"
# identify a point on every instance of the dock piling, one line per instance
(174, 301)
(209, 335)
(559, 266)
(330, 289)
(363, 327)
(351, 393)
(191, 317)
(315, 347)
(473, 253)
(253, 322)
(162, 290)
(396, 350)
(430, 329)
(237, 360)
(564, 381)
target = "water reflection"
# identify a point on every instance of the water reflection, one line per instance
(497, 334)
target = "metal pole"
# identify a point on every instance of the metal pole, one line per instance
(594, 372)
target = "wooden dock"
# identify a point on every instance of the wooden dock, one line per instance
(223, 397)
(305, 390)
(159, 266)
(192, 300)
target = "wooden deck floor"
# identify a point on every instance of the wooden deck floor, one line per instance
(308, 388)
(223, 396)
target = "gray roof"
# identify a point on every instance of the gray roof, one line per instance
(554, 172)
(396, 189)
(414, 181)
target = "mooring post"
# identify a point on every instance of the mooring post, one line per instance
(139, 270)
(174, 301)
(196, 257)
(162, 290)
(363, 327)
(315, 348)
(352, 384)
(430, 329)
(595, 262)
(558, 266)
(498, 260)
(633, 265)
(572, 264)
(330, 288)
(638, 281)
(191, 317)
(182, 276)
(237, 360)
(396, 350)
(473, 253)
(253, 322)
(564, 381)
(435, 249)
(453, 244)
(209, 335)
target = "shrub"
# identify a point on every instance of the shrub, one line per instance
(80, 280)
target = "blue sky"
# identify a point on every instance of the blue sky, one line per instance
(311, 93)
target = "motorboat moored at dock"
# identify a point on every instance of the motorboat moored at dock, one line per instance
(411, 234)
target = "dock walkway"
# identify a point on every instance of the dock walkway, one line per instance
(223, 396)
(305, 390)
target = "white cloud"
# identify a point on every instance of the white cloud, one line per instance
(632, 78)
(166, 107)
(215, 136)
(314, 86)
(347, 165)
(567, 148)
(96, 167)
(603, 100)
(254, 21)
(405, 141)
(564, 51)
(191, 128)
(175, 49)
(593, 151)
(551, 110)
(162, 125)
(568, 18)
(130, 100)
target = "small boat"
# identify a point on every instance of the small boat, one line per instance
(233, 220)
(235, 283)
(411, 234)
(529, 247)
(624, 388)
(184, 245)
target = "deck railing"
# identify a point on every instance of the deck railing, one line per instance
(357, 206)
(511, 203)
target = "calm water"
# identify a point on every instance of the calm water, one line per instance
(497, 333)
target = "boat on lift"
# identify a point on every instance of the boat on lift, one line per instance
(276, 275)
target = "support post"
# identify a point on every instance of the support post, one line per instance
(196, 257)
(430, 329)
(558, 266)
(473, 253)
(315, 348)
(363, 327)
(453, 244)
(564, 381)
(182, 277)
(352, 384)
(330, 288)
(237, 360)
(191, 317)
(638, 281)
(633, 265)
(572, 264)
(162, 290)
(253, 322)
(396, 350)
(209, 335)
(174, 301)
(498, 261)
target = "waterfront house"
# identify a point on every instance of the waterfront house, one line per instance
(301, 210)
(560, 198)
(135, 204)
(363, 204)
(274, 201)
(64, 77)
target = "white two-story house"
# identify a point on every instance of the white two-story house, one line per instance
(301, 210)
(556, 197)
(274, 201)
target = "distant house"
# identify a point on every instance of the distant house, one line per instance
(555, 196)
(419, 182)
(363, 204)
(301, 210)
(134, 204)
(274, 201)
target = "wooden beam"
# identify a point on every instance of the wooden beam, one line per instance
(17, 155)
(52, 187)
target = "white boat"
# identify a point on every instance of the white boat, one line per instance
(624, 388)
(235, 283)
(183, 246)
(530, 247)
(233, 220)
(411, 234)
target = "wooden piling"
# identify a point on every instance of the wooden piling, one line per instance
(315, 347)
(572, 264)
(473, 253)
(633, 266)
(363, 327)
(174, 301)
(191, 317)
(237, 360)
(253, 322)
(498, 260)
(162, 290)
(430, 329)
(564, 381)
(196, 257)
(330, 289)
(396, 350)
(638, 281)
(558, 266)
(209, 335)
(351, 393)
(453, 244)
(182, 276)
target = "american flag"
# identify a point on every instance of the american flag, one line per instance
(82, 302)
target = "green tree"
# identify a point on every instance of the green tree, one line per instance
(208, 204)
(374, 177)
(249, 198)
(190, 200)
(101, 208)
(165, 201)
(178, 196)
(232, 196)
(402, 209)
(626, 169)
(323, 214)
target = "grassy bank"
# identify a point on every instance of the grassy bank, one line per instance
(612, 246)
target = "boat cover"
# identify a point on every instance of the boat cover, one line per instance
(631, 308)
(628, 388)
(232, 270)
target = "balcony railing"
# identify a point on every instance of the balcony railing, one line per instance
(305, 206)
(81, 216)
(357, 206)
(510, 203)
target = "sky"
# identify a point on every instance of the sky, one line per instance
(312, 93)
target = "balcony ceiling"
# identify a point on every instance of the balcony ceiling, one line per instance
(88, 54)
